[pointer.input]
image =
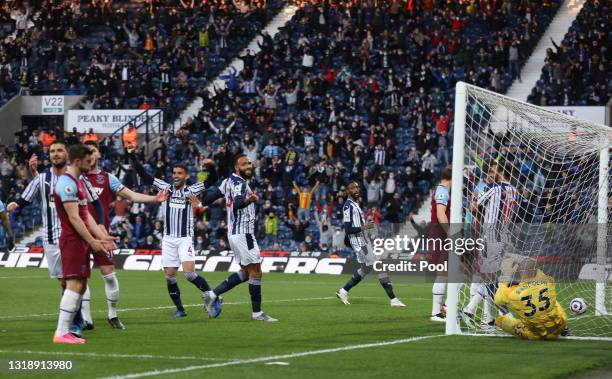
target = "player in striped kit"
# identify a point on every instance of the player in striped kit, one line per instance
(107, 186)
(240, 203)
(177, 243)
(356, 229)
(43, 185)
(495, 206)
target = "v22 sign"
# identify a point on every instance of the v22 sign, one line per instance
(52, 105)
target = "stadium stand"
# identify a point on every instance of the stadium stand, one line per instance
(124, 54)
(577, 71)
(342, 93)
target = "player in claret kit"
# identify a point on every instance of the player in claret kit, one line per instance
(535, 313)
(79, 234)
(43, 185)
(438, 232)
(106, 186)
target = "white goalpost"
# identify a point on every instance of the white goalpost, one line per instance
(558, 169)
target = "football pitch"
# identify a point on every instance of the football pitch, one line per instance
(316, 336)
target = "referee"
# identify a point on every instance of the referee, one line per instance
(177, 243)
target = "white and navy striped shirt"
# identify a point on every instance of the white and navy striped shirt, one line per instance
(500, 201)
(352, 214)
(239, 220)
(379, 156)
(177, 209)
(44, 185)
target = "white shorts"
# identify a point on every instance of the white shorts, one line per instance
(176, 250)
(366, 256)
(491, 258)
(54, 260)
(245, 249)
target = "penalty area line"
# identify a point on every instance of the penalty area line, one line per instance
(273, 357)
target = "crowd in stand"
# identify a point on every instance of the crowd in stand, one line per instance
(123, 54)
(347, 91)
(577, 71)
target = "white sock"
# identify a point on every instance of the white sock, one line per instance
(257, 314)
(68, 307)
(86, 306)
(438, 289)
(488, 315)
(111, 287)
(476, 298)
(212, 294)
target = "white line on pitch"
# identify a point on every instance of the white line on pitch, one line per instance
(100, 355)
(188, 306)
(272, 357)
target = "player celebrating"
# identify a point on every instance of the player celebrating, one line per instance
(10, 245)
(355, 229)
(79, 233)
(498, 201)
(439, 230)
(177, 243)
(43, 184)
(535, 312)
(240, 202)
(105, 186)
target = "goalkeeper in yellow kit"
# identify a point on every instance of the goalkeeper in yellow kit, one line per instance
(535, 313)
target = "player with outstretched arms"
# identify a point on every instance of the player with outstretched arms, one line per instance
(177, 242)
(79, 235)
(499, 201)
(356, 229)
(107, 186)
(439, 231)
(535, 313)
(43, 186)
(240, 203)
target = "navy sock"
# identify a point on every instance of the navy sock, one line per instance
(354, 280)
(255, 291)
(175, 294)
(201, 283)
(230, 282)
(491, 289)
(388, 287)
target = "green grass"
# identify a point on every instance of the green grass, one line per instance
(310, 319)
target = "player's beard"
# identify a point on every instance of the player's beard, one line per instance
(59, 166)
(244, 174)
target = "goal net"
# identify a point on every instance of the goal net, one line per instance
(533, 185)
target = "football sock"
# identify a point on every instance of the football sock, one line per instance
(174, 292)
(230, 282)
(67, 310)
(86, 306)
(255, 292)
(354, 280)
(475, 299)
(438, 289)
(490, 289)
(197, 281)
(111, 287)
(385, 282)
